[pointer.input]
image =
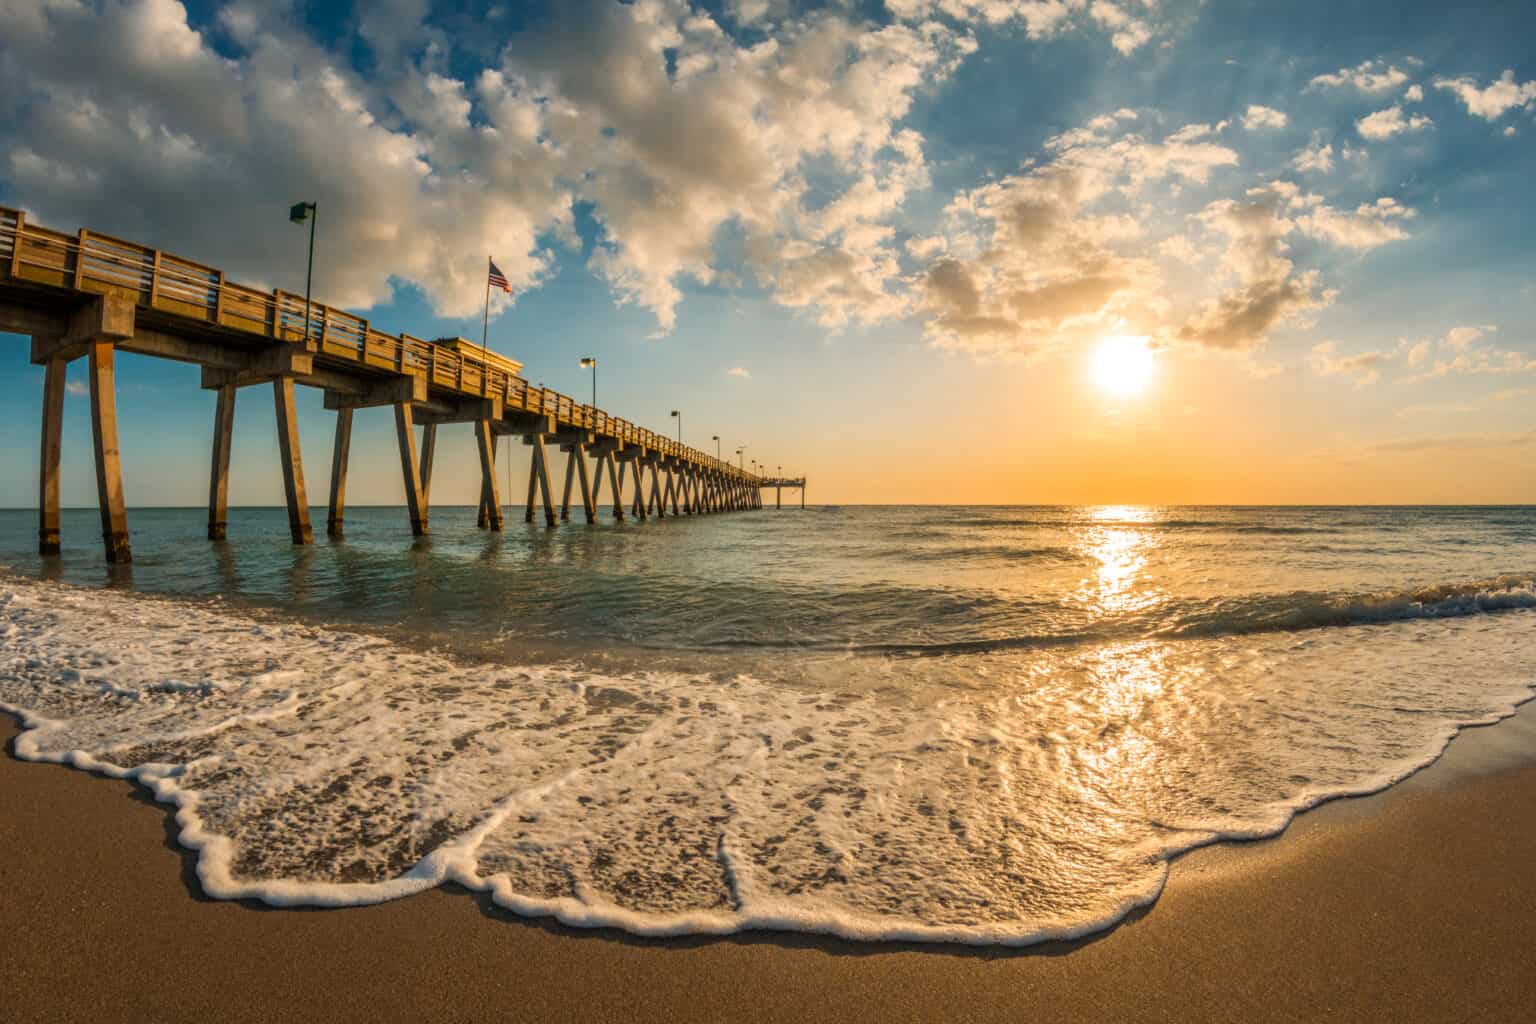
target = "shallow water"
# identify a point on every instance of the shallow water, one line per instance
(979, 725)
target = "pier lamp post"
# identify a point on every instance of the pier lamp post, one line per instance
(679, 417)
(298, 213)
(741, 460)
(590, 363)
(716, 438)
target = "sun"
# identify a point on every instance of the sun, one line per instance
(1122, 365)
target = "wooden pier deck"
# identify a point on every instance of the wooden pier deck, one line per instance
(88, 295)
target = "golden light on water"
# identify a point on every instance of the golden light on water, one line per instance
(1112, 539)
(1122, 365)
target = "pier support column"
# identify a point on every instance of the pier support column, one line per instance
(339, 456)
(539, 473)
(658, 503)
(597, 479)
(48, 467)
(218, 479)
(428, 452)
(630, 468)
(405, 431)
(533, 488)
(588, 505)
(613, 481)
(490, 501)
(570, 482)
(109, 469)
(293, 462)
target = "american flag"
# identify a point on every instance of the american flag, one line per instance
(498, 279)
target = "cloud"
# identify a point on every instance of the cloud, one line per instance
(1458, 353)
(78, 388)
(1129, 32)
(1263, 117)
(1043, 19)
(676, 147)
(1365, 367)
(1316, 158)
(1460, 338)
(1268, 290)
(1493, 101)
(648, 115)
(1370, 225)
(1372, 76)
(739, 371)
(1049, 255)
(1389, 122)
(1414, 93)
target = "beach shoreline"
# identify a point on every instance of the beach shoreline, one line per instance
(1410, 904)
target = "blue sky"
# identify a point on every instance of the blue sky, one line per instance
(879, 243)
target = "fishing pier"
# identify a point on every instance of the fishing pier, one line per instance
(89, 296)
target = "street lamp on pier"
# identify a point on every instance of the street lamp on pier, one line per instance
(590, 363)
(298, 213)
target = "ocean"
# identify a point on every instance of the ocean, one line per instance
(977, 725)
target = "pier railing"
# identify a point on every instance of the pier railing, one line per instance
(95, 263)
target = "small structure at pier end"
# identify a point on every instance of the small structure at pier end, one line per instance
(88, 295)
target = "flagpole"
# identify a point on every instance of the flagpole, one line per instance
(485, 327)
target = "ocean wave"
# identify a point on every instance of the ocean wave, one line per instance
(1303, 610)
(1210, 618)
(321, 767)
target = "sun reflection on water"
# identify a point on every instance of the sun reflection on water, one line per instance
(1116, 537)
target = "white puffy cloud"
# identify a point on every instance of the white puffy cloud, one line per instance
(1129, 32)
(1050, 255)
(1461, 338)
(1267, 291)
(780, 158)
(739, 371)
(1370, 225)
(1264, 117)
(1130, 23)
(1384, 124)
(1317, 157)
(1372, 76)
(649, 113)
(1493, 101)
(1414, 93)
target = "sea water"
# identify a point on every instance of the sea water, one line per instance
(983, 725)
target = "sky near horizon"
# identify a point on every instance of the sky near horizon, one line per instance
(993, 251)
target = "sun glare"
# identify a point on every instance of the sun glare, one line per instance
(1122, 365)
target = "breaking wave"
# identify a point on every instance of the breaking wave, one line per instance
(1034, 794)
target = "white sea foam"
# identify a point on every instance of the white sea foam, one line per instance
(1038, 794)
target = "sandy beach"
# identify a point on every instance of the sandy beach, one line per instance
(1416, 904)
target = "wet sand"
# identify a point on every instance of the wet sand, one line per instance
(1416, 904)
